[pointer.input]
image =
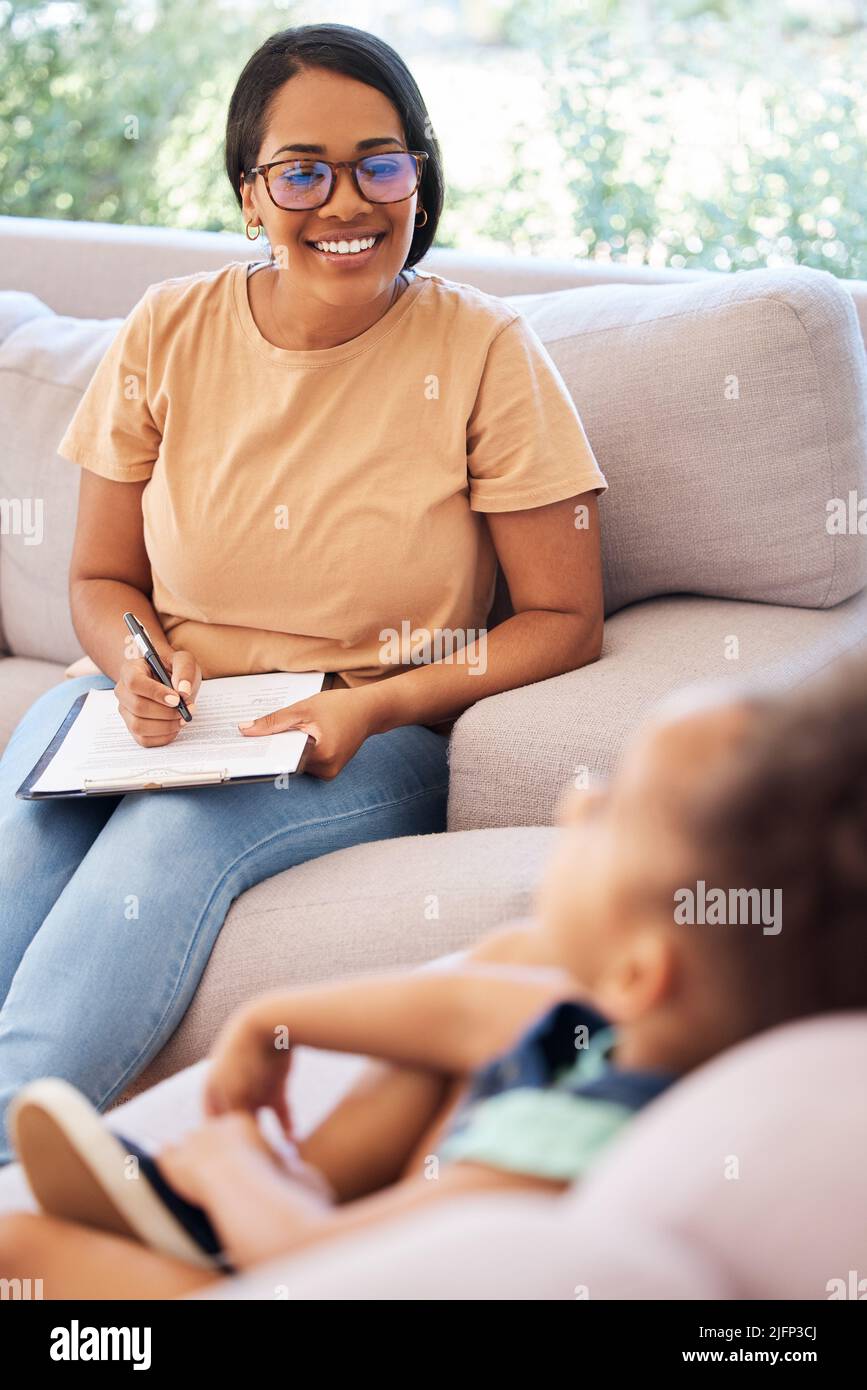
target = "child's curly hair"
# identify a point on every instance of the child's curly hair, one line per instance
(790, 813)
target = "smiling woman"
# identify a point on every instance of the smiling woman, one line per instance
(331, 117)
(413, 431)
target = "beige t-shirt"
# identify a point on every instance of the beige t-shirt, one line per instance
(301, 504)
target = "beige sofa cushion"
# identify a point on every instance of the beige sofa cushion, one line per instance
(726, 414)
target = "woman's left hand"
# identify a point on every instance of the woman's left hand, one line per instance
(338, 720)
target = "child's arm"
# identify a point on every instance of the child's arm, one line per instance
(368, 1139)
(451, 1021)
(259, 1213)
(448, 1022)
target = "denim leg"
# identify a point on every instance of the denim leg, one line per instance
(42, 843)
(111, 971)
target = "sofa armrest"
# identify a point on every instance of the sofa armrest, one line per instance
(510, 1248)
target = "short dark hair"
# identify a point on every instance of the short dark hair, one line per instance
(790, 812)
(354, 53)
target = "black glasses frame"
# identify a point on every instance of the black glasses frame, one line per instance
(264, 169)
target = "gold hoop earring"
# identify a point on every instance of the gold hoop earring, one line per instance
(424, 223)
(247, 231)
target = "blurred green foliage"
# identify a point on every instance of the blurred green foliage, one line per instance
(776, 90)
(718, 133)
(112, 111)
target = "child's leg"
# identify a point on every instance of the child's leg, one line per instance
(364, 1144)
(77, 1262)
(416, 1163)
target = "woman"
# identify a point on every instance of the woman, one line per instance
(281, 468)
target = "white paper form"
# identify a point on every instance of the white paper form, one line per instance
(99, 746)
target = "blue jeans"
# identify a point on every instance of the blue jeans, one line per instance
(110, 907)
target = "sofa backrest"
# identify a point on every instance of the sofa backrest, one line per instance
(729, 416)
(101, 269)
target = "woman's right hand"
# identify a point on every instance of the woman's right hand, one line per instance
(148, 708)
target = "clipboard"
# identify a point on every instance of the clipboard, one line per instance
(119, 786)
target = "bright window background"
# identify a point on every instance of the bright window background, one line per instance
(718, 133)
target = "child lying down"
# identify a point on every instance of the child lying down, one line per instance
(516, 1068)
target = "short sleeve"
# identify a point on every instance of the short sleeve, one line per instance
(113, 432)
(541, 1133)
(526, 445)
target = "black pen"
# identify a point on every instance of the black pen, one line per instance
(139, 635)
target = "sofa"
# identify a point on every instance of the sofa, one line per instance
(729, 414)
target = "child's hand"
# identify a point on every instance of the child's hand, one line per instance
(257, 1209)
(249, 1067)
(191, 1165)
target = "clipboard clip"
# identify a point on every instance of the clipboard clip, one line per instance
(155, 778)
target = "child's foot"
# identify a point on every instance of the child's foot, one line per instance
(80, 1171)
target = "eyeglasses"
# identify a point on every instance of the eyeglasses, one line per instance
(300, 184)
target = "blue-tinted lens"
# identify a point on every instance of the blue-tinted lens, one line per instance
(386, 178)
(300, 183)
